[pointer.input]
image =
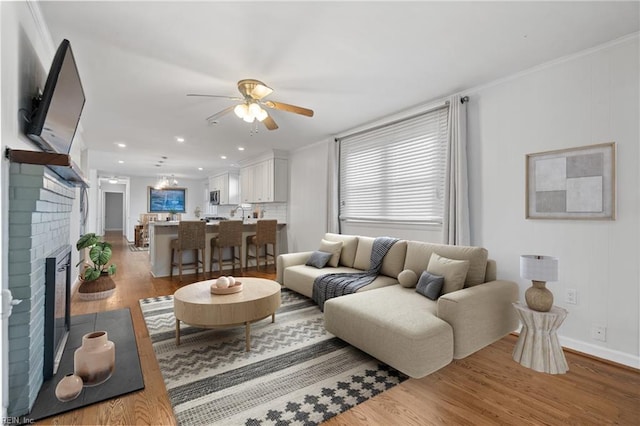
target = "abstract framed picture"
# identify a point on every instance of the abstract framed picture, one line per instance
(574, 183)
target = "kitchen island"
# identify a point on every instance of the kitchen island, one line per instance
(161, 233)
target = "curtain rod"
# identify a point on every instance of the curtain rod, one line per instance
(391, 123)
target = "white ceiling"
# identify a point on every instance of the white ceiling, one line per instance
(351, 62)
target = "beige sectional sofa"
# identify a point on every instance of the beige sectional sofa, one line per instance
(399, 326)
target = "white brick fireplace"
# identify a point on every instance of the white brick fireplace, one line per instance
(40, 211)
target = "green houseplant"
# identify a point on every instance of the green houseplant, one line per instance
(96, 281)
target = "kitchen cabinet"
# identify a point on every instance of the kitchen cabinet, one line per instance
(228, 185)
(265, 181)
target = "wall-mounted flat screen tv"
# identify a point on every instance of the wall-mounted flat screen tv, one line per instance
(55, 116)
(169, 200)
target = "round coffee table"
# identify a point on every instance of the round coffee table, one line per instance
(197, 306)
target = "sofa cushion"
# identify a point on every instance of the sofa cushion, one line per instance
(319, 259)
(419, 253)
(407, 278)
(393, 262)
(333, 247)
(299, 278)
(349, 246)
(453, 271)
(430, 285)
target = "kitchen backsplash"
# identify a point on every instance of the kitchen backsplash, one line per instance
(271, 211)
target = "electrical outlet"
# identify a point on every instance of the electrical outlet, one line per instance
(599, 332)
(571, 296)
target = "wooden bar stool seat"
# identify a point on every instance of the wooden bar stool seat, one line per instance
(191, 236)
(229, 235)
(265, 235)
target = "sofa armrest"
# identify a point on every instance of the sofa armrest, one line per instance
(479, 315)
(290, 259)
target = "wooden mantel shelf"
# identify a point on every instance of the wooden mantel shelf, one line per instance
(60, 164)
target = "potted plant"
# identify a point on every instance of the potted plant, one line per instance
(95, 277)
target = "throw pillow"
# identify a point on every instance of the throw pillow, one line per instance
(333, 247)
(407, 278)
(453, 271)
(319, 259)
(430, 285)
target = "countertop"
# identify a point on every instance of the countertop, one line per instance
(211, 223)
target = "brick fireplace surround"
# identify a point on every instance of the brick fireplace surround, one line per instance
(40, 205)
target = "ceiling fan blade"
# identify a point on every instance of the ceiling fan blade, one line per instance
(235, 98)
(269, 123)
(219, 114)
(289, 108)
(253, 89)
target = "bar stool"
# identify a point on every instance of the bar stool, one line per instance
(191, 236)
(265, 234)
(229, 235)
(145, 218)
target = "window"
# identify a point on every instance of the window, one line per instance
(395, 172)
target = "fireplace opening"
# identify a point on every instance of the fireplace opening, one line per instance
(57, 308)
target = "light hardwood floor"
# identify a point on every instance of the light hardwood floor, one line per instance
(487, 387)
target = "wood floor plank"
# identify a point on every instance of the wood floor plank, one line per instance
(486, 388)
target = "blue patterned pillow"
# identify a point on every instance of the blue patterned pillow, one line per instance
(319, 259)
(430, 285)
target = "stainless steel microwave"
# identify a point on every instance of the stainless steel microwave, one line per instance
(214, 197)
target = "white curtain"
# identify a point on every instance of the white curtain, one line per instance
(333, 208)
(455, 220)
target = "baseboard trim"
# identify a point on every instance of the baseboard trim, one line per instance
(603, 354)
(608, 356)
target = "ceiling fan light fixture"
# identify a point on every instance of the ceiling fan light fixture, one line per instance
(241, 110)
(261, 115)
(260, 91)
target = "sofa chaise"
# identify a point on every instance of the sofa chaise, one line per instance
(394, 323)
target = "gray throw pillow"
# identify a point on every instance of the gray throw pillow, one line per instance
(319, 259)
(430, 285)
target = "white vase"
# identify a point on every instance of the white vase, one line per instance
(95, 360)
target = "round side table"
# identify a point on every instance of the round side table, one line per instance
(538, 347)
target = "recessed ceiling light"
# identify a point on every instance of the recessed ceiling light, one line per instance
(121, 144)
(120, 161)
(179, 139)
(224, 157)
(240, 148)
(113, 181)
(200, 168)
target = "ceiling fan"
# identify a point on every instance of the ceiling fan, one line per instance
(252, 103)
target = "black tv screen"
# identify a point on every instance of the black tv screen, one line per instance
(172, 200)
(55, 118)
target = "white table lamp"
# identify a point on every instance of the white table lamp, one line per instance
(539, 269)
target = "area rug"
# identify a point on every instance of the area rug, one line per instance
(133, 247)
(296, 372)
(127, 375)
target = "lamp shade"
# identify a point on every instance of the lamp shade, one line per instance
(539, 268)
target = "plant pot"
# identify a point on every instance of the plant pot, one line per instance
(95, 360)
(101, 288)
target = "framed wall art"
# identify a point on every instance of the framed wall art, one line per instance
(574, 183)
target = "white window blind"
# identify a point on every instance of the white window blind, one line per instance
(395, 173)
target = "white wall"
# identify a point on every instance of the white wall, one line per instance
(308, 196)
(586, 99)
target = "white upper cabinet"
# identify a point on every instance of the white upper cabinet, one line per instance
(265, 181)
(228, 185)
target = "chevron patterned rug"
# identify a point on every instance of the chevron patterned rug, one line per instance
(296, 372)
